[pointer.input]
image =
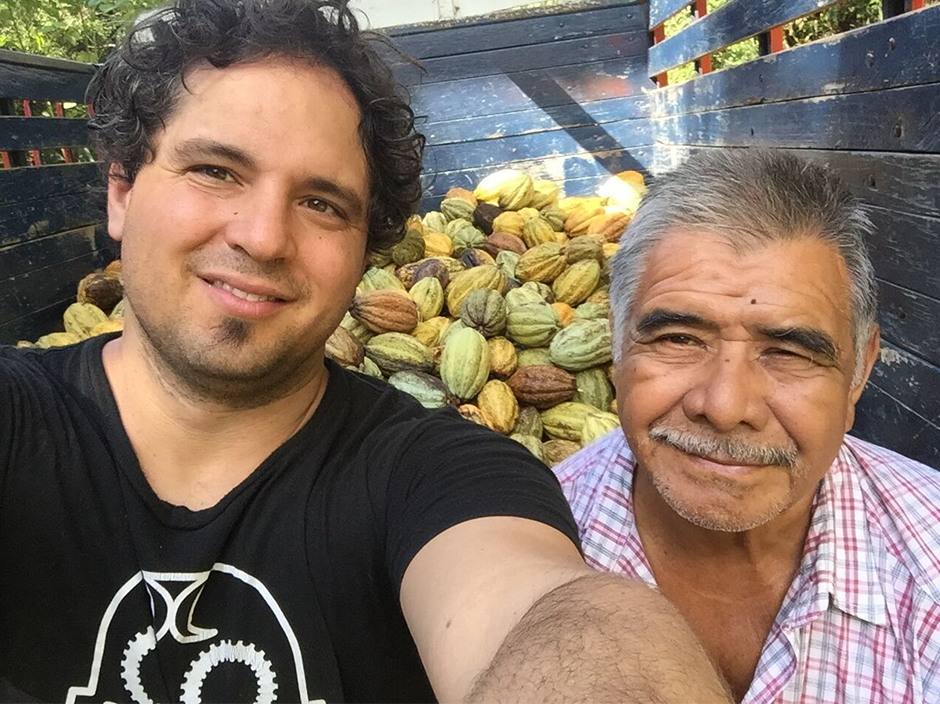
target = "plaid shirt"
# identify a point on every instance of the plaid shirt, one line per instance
(861, 620)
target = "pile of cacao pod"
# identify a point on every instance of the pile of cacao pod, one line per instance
(498, 304)
(98, 309)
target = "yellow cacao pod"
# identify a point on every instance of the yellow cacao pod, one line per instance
(564, 312)
(462, 284)
(473, 414)
(430, 331)
(108, 326)
(80, 318)
(437, 243)
(597, 425)
(118, 312)
(396, 352)
(565, 421)
(610, 249)
(557, 451)
(555, 217)
(499, 405)
(465, 363)
(488, 189)
(581, 217)
(428, 295)
(516, 193)
(58, 339)
(544, 194)
(577, 282)
(611, 226)
(385, 311)
(537, 231)
(543, 262)
(510, 222)
(503, 357)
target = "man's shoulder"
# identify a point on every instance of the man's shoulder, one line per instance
(902, 501)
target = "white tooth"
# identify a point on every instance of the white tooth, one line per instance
(241, 294)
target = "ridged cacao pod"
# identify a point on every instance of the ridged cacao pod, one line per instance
(435, 222)
(380, 257)
(510, 222)
(597, 425)
(533, 357)
(565, 421)
(80, 318)
(102, 290)
(344, 348)
(537, 231)
(586, 247)
(430, 331)
(58, 339)
(507, 262)
(385, 311)
(592, 311)
(582, 345)
(484, 310)
(580, 219)
(594, 388)
(484, 215)
(488, 189)
(466, 238)
(454, 226)
(503, 242)
(462, 284)
(379, 280)
(107, 326)
(544, 291)
(397, 352)
(499, 405)
(429, 391)
(544, 262)
(611, 226)
(473, 414)
(503, 357)
(521, 296)
(428, 295)
(465, 363)
(431, 267)
(516, 193)
(454, 266)
(450, 330)
(357, 329)
(115, 268)
(511, 284)
(564, 312)
(463, 194)
(610, 249)
(577, 282)
(557, 451)
(454, 208)
(601, 296)
(476, 257)
(437, 243)
(409, 249)
(118, 311)
(531, 324)
(542, 386)
(532, 444)
(371, 368)
(555, 217)
(528, 422)
(545, 193)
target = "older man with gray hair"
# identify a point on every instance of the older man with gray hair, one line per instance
(744, 310)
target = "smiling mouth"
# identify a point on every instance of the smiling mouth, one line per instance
(244, 294)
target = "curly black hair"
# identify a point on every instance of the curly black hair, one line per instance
(137, 88)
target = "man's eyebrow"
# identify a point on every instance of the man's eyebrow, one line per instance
(201, 148)
(810, 339)
(660, 317)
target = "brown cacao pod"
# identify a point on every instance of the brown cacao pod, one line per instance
(528, 422)
(557, 451)
(503, 242)
(610, 226)
(542, 386)
(385, 311)
(476, 257)
(101, 289)
(431, 267)
(586, 247)
(484, 215)
(344, 349)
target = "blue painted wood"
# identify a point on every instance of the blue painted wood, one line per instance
(547, 88)
(911, 320)
(906, 250)
(41, 132)
(34, 325)
(910, 379)
(585, 22)
(900, 119)
(42, 183)
(41, 78)
(737, 20)
(526, 58)
(900, 52)
(610, 137)
(37, 218)
(662, 10)
(61, 246)
(536, 120)
(884, 420)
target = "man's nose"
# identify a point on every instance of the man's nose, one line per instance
(731, 391)
(262, 226)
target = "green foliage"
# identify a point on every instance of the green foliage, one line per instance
(838, 18)
(82, 30)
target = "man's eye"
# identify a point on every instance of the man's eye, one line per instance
(214, 172)
(321, 206)
(682, 340)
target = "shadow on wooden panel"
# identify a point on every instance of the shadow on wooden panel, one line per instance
(881, 419)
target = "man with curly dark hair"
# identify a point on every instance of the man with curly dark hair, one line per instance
(205, 508)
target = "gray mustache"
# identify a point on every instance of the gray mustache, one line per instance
(724, 449)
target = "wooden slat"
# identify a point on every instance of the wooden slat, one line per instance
(860, 60)
(25, 185)
(527, 58)
(662, 10)
(885, 421)
(901, 119)
(609, 137)
(568, 85)
(41, 132)
(62, 246)
(42, 80)
(586, 22)
(535, 120)
(26, 221)
(910, 320)
(35, 324)
(910, 379)
(906, 250)
(737, 20)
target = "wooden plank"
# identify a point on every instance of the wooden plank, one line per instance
(901, 119)
(561, 169)
(41, 132)
(586, 22)
(34, 325)
(662, 10)
(610, 137)
(900, 52)
(58, 247)
(526, 58)
(906, 182)
(906, 250)
(885, 421)
(910, 379)
(737, 20)
(26, 221)
(536, 120)
(45, 182)
(911, 320)
(41, 83)
(548, 88)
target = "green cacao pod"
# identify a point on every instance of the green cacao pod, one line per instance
(577, 282)
(582, 345)
(358, 330)
(544, 291)
(545, 193)
(398, 352)
(531, 324)
(507, 262)
(371, 368)
(521, 296)
(555, 217)
(544, 262)
(465, 363)
(532, 444)
(528, 422)
(428, 390)
(379, 280)
(484, 310)
(565, 421)
(467, 237)
(592, 311)
(594, 388)
(587, 247)
(428, 295)
(455, 226)
(454, 208)
(409, 249)
(435, 221)
(532, 357)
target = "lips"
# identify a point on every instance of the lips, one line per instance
(245, 289)
(244, 294)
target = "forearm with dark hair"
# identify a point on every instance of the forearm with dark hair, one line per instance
(600, 638)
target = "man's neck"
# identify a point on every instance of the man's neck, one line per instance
(193, 452)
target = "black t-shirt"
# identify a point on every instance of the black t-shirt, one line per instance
(285, 591)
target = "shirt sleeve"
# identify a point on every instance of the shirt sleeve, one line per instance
(452, 471)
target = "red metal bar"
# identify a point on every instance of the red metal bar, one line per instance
(659, 35)
(91, 110)
(776, 40)
(66, 152)
(6, 160)
(917, 5)
(33, 153)
(704, 63)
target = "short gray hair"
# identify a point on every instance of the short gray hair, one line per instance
(750, 197)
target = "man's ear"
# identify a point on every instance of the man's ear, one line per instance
(870, 356)
(119, 198)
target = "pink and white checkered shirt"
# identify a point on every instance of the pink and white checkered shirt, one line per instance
(861, 621)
